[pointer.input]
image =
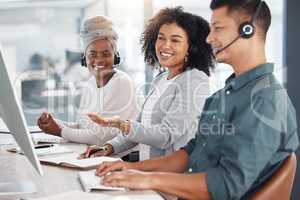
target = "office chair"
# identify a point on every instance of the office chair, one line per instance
(280, 184)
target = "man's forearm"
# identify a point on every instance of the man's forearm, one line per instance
(175, 162)
(186, 186)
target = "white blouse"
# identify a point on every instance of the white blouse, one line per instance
(151, 101)
(117, 98)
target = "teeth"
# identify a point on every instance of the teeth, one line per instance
(167, 55)
(99, 67)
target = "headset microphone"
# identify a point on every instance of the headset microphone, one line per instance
(228, 45)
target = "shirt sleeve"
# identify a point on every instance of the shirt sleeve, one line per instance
(120, 99)
(97, 135)
(121, 144)
(63, 124)
(179, 119)
(246, 153)
(189, 147)
(86, 132)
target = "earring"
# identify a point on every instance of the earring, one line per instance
(185, 59)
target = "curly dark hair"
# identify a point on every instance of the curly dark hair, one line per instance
(197, 29)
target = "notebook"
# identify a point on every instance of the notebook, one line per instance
(90, 181)
(32, 129)
(6, 139)
(46, 138)
(49, 151)
(74, 195)
(120, 195)
(72, 161)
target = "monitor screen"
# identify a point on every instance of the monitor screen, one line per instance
(13, 116)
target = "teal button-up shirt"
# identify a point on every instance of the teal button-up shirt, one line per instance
(245, 131)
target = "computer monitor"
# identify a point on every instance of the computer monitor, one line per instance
(13, 116)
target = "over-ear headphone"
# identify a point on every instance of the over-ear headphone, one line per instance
(117, 59)
(83, 61)
(246, 29)
(193, 49)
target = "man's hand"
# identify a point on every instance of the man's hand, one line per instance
(48, 125)
(107, 167)
(131, 179)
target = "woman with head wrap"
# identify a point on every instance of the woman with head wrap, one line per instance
(109, 91)
(175, 42)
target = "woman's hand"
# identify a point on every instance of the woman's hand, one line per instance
(107, 167)
(131, 179)
(115, 122)
(105, 122)
(97, 151)
(48, 125)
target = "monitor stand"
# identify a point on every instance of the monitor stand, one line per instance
(16, 190)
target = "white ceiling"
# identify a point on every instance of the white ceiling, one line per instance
(276, 5)
(13, 4)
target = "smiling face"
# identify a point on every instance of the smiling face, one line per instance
(171, 46)
(224, 29)
(100, 54)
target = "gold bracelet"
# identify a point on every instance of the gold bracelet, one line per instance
(125, 127)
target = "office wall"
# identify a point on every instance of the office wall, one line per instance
(45, 30)
(291, 58)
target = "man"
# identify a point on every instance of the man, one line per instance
(247, 129)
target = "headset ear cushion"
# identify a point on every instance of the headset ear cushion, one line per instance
(246, 30)
(117, 59)
(193, 49)
(83, 61)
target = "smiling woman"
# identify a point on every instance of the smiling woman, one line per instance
(192, 33)
(109, 92)
(100, 59)
(174, 42)
(172, 49)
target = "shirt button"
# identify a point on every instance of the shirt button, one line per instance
(227, 92)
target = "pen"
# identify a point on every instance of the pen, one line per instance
(43, 146)
(104, 148)
(94, 149)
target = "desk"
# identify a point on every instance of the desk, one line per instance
(56, 180)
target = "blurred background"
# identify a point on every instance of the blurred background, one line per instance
(41, 47)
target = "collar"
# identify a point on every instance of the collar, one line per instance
(238, 82)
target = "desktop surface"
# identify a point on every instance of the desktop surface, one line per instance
(56, 180)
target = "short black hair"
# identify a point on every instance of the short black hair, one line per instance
(248, 7)
(200, 53)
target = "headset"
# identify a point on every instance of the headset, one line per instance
(193, 49)
(117, 59)
(246, 29)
